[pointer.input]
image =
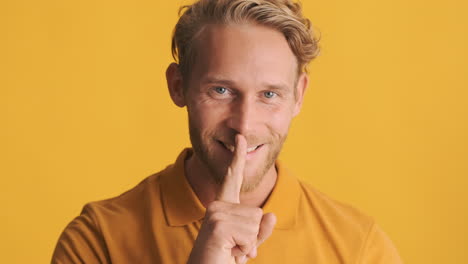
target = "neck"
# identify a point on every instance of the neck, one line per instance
(199, 177)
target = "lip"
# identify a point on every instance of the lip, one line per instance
(249, 155)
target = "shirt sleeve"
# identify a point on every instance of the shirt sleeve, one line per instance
(81, 242)
(378, 248)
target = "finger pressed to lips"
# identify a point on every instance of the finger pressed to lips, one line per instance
(250, 150)
(230, 189)
(232, 148)
(250, 225)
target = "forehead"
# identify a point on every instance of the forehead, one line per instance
(245, 54)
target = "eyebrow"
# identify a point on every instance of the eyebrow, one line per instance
(210, 80)
(227, 82)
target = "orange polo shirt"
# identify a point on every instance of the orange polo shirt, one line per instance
(158, 221)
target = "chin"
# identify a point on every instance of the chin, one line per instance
(251, 182)
(254, 174)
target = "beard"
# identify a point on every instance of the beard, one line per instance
(204, 146)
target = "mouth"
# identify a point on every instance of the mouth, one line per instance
(231, 148)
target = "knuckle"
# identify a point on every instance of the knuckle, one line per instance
(215, 224)
(217, 228)
(253, 242)
(258, 213)
(216, 217)
(254, 230)
(213, 207)
(246, 248)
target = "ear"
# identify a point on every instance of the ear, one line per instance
(175, 84)
(301, 86)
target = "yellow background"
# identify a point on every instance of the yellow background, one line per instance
(85, 115)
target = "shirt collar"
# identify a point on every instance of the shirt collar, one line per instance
(182, 206)
(284, 198)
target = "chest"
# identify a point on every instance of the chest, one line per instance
(172, 245)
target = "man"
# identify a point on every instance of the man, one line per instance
(241, 75)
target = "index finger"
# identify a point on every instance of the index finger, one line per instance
(231, 187)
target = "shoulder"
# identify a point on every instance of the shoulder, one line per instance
(338, 221)
(134, 199)
(325, 205)
(98, 229)
(343, 223)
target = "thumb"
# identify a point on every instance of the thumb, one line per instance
(266, 227)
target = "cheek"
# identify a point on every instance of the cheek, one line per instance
(280, 124)
(278, 120)
(205, 118)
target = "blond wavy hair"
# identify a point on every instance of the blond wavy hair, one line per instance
(282, 15)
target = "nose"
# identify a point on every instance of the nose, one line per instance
(242, 115)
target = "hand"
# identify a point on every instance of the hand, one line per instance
(231, 232)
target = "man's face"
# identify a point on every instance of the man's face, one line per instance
(243, 81)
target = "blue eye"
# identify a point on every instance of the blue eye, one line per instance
(269, 94)
(221, 90)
